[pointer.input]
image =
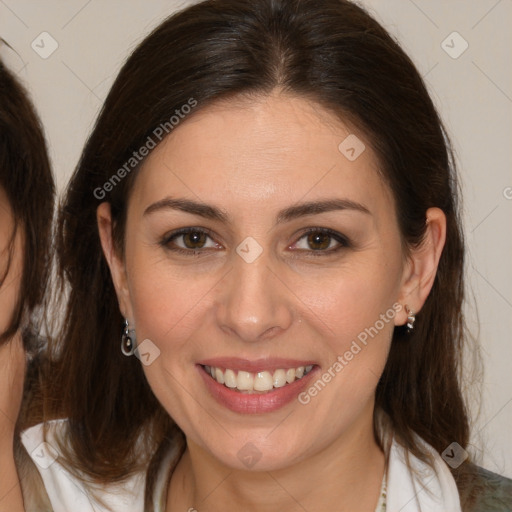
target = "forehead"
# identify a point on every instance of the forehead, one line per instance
(265, 150)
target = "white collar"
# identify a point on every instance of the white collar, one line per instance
(419, 489)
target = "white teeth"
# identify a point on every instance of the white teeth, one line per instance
(230, 379)
(262, 381)
(279, 378)
(245, 381)
(219, 376)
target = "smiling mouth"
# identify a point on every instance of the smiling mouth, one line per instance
(256, 382)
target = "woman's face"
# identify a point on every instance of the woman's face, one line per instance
(257, 245)
(10, 271)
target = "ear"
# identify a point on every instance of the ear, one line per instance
(421, 267)
(116, 265)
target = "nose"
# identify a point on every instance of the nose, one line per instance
(254, 304)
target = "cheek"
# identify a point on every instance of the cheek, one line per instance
(351, 299)
(167, 302)
(351, 314)
(353, 321)
(8, 299)
(10, 281)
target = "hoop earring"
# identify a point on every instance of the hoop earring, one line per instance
(128, 340)
(411, 318)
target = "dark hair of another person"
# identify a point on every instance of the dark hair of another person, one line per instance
(328, 51)
(26, 177)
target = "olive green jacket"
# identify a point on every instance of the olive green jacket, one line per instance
(481, 490)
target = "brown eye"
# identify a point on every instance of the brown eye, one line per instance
(194, 239)
(190, 241)
(319, 241)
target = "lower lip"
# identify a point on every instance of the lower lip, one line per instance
(255, 403)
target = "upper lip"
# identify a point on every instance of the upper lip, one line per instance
(255, 365)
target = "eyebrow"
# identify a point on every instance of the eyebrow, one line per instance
(189, 206)
(317, 207)
(286, 215)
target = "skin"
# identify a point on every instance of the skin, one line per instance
(252, 158)
(12, 361)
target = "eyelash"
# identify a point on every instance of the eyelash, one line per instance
(343, 242)
(338, 237)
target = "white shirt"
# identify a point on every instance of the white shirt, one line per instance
(424, 490)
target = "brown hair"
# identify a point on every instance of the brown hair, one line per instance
(330, 51)
(26, 177)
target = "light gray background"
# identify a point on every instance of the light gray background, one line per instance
(473, 93)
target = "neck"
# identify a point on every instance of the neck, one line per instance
(346, 475)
